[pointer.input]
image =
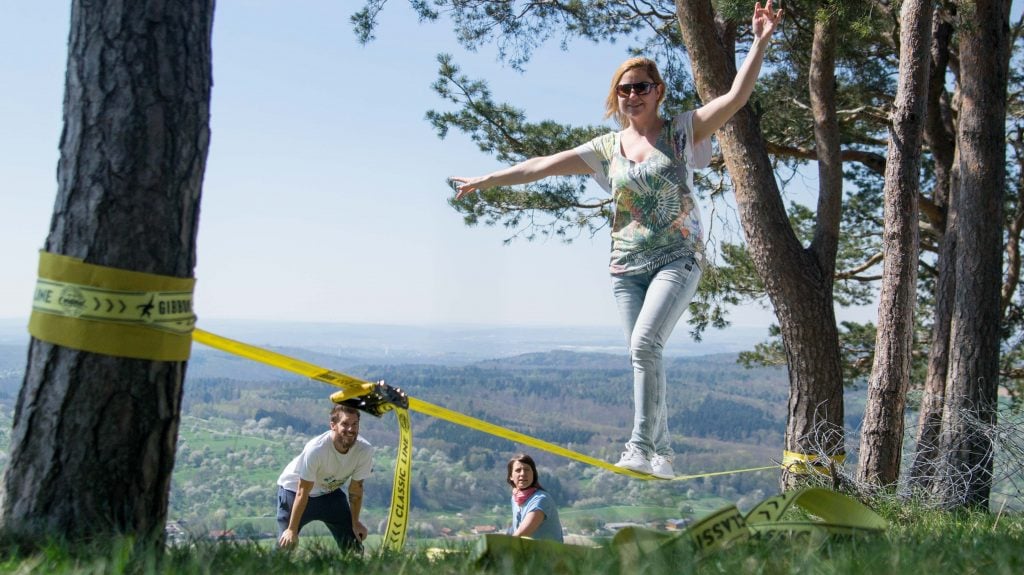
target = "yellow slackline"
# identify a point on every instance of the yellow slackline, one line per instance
(353, 387)
(806, 464)
(354, 390)
(505, 433)
(112, 311)
(355, 384)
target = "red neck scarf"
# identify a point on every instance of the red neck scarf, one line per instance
(520, 497)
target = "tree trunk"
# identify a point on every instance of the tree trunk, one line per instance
(929, 423)
(971, 390)
(821, 86)
(939, 135)
(94, 436)
(798, 280)
(881, 442)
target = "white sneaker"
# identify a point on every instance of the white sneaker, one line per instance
(634, 460)
(661, 467)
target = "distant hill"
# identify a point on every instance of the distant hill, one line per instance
(446, 344)
(208, 363)
(559, 396)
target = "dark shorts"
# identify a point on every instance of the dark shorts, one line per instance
(331, 508)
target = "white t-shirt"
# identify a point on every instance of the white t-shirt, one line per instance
(321, 463)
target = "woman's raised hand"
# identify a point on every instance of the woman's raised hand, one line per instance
(764, 20)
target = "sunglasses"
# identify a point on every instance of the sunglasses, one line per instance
(641, 88)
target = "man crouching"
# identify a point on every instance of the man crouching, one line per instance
(310, 487)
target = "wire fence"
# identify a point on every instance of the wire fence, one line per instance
(995, 459)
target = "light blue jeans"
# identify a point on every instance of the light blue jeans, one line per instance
(650, 304)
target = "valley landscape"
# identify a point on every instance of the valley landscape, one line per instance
(242, 422)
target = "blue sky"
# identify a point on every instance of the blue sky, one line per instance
(325, 195)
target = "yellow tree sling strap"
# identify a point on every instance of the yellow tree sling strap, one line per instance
(112, 311)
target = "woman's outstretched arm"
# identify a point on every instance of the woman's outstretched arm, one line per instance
(713, 115)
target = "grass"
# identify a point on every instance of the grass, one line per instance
(918, 541)
(641, 513)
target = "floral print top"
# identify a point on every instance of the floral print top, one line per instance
(656, 218)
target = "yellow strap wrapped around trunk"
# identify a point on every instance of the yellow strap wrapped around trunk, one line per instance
(112, 311)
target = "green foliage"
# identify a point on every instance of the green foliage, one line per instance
(733, 282)
(860, 236)
(518, 27)
(857, 346)
(550, 207)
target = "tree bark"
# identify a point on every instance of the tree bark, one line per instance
(821, 86)
(939, 134)
(971, 389)
(94, 436)
(939, 131)
(797, 280)
(929, 423)
(881, 444)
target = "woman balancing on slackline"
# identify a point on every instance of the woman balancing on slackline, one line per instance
(657, 237)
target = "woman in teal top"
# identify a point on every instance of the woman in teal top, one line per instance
(657, 237)
(534, 513)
